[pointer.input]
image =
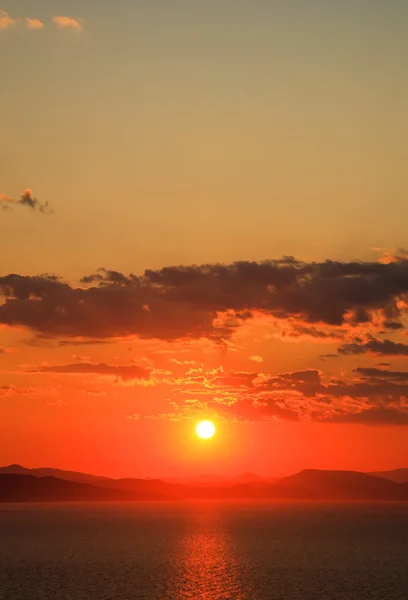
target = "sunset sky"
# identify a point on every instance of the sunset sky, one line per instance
(203, 215)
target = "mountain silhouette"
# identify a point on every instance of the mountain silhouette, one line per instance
(396, 475)
(310, 484)
(50, 472)
(28, 488)
(345, 485)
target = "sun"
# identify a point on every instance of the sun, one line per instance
(205, 430)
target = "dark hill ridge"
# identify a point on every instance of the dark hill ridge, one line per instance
(59, 473)
(396, 475)
(307, 485)
(345, 485)
(28, 488)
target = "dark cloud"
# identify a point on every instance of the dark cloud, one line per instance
(108, 277)
(302, 330)
(307, 376)
(373, 416)
(372, 372)
(26, 199)
(235, 380)
(47, 341)
(393, 325)
(123, 372)
(254, 410)
(381, 347)
(209, 300)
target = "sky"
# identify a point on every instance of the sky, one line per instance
(203, 215)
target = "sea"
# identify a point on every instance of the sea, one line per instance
(206, 550)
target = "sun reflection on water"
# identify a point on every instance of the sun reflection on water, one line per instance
(208, 567)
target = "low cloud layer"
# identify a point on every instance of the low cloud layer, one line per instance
(213, 301)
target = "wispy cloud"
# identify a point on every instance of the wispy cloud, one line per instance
(33, 24)
(5, 202)
(6, 21)
(257, 359)
(26, 199)
(68, 23)
(121, 372)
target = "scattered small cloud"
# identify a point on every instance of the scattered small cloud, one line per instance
(257, 359)
(68, 23)
(5, 202)
(26, 199)
(6, 21)
(33, 24)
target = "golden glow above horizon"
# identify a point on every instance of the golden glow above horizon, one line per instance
(205, 430)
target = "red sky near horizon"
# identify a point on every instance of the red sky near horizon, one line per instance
(178, 146)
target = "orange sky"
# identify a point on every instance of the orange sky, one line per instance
(143, 152)
(298, 364)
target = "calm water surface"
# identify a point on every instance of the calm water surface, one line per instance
(204, 551)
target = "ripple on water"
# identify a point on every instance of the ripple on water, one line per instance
(203, 551)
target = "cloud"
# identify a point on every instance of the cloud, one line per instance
(104, 277)
(68, 23)
(5, 202)
(393, 325)
(373, 416)
(293, 396)
(307, 376)
(38, 391)
(213, 301)
(121, 372)
(27, 199)
(8, 350)
(6, 21)
(47, 341)
(256, 359)
(392, 255)
(380, 347)
(34, 24)
(249, 410)
(374, 373)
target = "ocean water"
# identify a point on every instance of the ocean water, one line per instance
(208, 551)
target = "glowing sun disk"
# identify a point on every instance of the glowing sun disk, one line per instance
(205, 430)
